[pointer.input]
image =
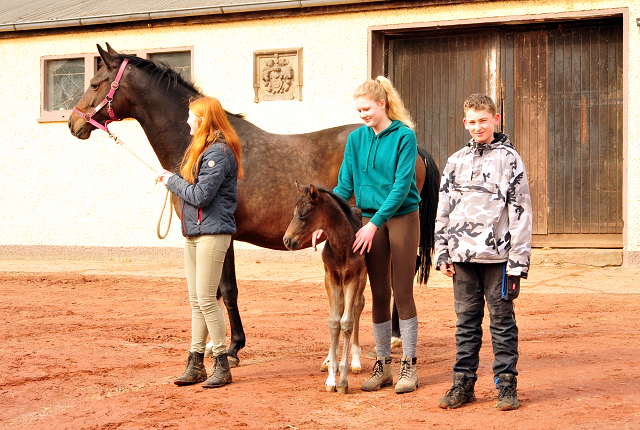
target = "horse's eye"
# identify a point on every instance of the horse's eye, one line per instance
(94, 86)
(302, 215)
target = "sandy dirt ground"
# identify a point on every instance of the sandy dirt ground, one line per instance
(97, 344)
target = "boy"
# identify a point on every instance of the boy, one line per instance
(483, 241)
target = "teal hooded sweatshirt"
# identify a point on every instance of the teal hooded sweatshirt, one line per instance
(380, 170)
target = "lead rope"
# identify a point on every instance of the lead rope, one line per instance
(166, 197)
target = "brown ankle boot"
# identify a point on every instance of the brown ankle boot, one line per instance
(221, 374)
(195, 371)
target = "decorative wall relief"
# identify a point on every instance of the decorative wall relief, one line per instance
(277, 74)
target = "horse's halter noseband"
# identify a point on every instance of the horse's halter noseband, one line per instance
(88, 117)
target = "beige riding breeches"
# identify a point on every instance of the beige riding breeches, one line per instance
(203, 259)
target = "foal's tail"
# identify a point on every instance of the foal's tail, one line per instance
(428, 208)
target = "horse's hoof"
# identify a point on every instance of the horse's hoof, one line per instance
(208, 353)
(356, 370)
(324, 367)
(330, 388)
(233, 361)
(373, 354)
(396, 342)
(343, 390)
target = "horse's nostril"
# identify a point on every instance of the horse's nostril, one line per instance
(289, 243)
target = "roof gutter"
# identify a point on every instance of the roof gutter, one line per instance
(174, 13)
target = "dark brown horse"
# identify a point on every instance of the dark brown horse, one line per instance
(158, 98)
(345, 272)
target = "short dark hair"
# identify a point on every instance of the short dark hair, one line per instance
(480, 102)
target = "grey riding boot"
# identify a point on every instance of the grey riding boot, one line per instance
(221, 374)
(195, 371)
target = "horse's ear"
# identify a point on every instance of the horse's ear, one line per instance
(313, 192)
(110, 50)
(299, 186)
(107, 58)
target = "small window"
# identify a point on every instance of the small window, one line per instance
(178, 61)
(63, 82)
(64, 79)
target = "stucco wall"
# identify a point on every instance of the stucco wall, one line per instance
(58, 190)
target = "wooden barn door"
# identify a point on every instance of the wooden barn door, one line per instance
(434, 75)
(585, 132)
(525, 114)
(559, 90)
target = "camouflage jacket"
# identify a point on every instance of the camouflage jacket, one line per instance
(484, 212)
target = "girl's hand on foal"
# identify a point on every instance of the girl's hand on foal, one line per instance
(364, 238)
(315, 236)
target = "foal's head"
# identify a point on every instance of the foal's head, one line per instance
(316, 209)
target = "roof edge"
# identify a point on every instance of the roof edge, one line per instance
(173, 13)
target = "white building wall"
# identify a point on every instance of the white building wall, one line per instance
(58, 190)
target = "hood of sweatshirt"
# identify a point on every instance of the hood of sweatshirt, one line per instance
(375, 140)
(499, 139)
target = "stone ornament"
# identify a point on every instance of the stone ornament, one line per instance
(277, 74)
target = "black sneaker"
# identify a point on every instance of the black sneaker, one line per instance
(506, 383)
(460, 393)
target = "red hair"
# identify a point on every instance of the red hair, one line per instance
(212, 121)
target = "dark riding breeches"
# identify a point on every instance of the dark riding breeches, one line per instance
(394, 244)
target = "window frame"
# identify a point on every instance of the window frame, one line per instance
(90, 69)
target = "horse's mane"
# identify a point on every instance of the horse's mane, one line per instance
(344, 205)
(162, 71)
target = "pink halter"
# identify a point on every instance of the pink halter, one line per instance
(107, 101)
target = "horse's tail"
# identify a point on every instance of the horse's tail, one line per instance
(428, 208)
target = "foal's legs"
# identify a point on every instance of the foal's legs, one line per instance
(350, 291)
(358, 306)
(335, 312)
(356, 351)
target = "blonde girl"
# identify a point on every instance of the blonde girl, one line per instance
(379, 169)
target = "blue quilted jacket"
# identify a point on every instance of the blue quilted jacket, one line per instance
(208, 204)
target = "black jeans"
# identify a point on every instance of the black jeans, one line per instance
(472, 283)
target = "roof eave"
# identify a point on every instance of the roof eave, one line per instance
(174, 13)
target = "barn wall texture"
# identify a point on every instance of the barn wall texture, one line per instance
(60, 191)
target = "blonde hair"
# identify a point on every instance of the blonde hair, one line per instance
(382, 89)
(212, 122)
(479, 102)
